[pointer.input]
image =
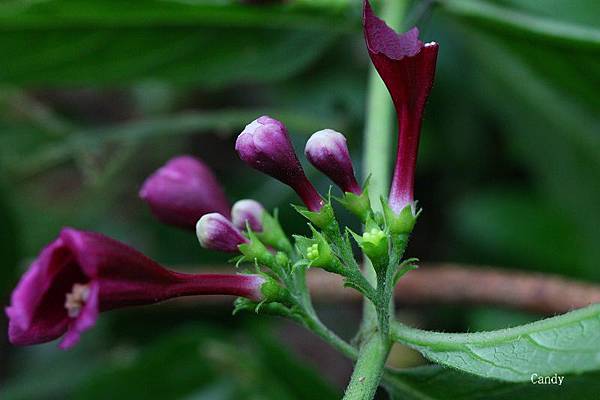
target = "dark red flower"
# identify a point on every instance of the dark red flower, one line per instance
(82, 273)
(407, 67)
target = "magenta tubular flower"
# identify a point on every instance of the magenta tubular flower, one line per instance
(216, 232)
(82, 273)
(265, 145)
(182, 191)
(407, 67)
(247, 211)
(328, 152)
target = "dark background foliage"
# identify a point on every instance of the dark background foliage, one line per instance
(95, 95)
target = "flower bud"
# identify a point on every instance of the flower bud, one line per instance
(328, 152)
(216, 232)
(247, 211)
(265, 145)
(182, 191)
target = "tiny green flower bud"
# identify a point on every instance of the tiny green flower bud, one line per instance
(375, 243)
(282, 259)
(313, 252)
(317, 251)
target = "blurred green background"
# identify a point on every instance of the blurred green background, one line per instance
(96, 95)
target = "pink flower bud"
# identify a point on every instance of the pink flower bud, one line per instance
(265, 145)
(182, 191)
(249, 211)
(81, 274)
(328, 152)
(407, 67)
(216, 232)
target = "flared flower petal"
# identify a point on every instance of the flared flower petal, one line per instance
(81, 274)
(407, 67)
(265, 145)
(182, 191)
(328, 152)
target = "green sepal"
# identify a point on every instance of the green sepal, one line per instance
(255, 250)
(272, 234)
(359, 205)
(244, 304)
(374, 243)
(273, 291)
(282, 260)
(317, 251)
(401, 223)
(322, 219)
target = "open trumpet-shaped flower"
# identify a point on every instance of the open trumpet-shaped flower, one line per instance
(265, 145)
(328, 152)
(216, 232)
(82, 273)
(182, 191)
(407, 67)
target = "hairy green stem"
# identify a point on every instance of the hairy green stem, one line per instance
(313, 323)
(369, 368)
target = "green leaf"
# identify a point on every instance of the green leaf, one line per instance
(106, 42)
(524, 24)
(434, 382)
(564, 344)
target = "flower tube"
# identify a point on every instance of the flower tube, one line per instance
(407, 67)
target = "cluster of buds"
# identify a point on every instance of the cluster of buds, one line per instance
(81, 273)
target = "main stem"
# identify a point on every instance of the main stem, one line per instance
(377, 143)
(369, 368)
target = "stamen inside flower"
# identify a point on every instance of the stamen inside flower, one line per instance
(75, 300)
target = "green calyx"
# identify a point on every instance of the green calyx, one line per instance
(272, 234)
(272, 291)
(401, 223)
(317, 251)
(255, 250)
(359, 205)
(374, 243)
(323, 218)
